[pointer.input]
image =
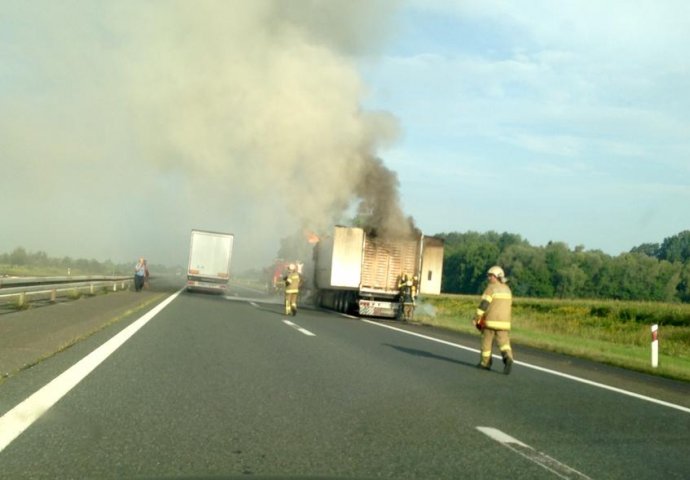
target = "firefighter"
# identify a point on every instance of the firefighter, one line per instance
(405, 286)
(292, 284)
(493, 317)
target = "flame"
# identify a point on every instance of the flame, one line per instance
(311, 236)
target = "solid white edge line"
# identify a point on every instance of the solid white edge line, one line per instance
(543, 460)
(298, 328)
(14, 422)
(541, 369)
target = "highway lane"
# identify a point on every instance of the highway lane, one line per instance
(217, 387)
(597, 430)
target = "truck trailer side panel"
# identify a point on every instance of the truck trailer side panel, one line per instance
(339, 260)
(347, 257)
(385, 261)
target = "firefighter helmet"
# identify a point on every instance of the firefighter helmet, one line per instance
(292, 267)
(497, 272)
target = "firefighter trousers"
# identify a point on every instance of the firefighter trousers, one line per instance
(290, 303)
(503, 341)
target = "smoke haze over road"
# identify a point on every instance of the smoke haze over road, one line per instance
(123, 125)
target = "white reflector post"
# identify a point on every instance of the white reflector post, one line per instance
(655, 346)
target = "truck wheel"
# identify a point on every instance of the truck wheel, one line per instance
(347, 308)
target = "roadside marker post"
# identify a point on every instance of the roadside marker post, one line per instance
(655, 345)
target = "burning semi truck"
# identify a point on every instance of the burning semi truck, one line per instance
(358, 273)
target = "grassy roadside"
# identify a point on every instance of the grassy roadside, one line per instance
(612, 332)
(94, 330)
(43, 271)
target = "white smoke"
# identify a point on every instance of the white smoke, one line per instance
(128, 123)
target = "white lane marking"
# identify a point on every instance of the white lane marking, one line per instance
(14, 422)
(297, 327)
(266, 301)
(542, 369)
(543, 460)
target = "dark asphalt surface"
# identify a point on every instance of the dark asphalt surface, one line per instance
(217, 387)
(30, 335)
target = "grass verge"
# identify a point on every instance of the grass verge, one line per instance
(611, 332)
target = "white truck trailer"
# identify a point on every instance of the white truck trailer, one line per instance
(359, 274)
(209, 261)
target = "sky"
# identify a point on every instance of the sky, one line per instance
(558, 121)
(123, 125)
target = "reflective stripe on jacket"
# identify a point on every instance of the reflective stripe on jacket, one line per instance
(495, 306)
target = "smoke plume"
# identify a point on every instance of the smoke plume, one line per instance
(379, 208)
(143, 120)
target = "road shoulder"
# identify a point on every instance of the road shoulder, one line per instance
(29, 336)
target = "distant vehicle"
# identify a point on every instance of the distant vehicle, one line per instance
(209, 261)
(360, 274)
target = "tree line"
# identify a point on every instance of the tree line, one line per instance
(39, 263)
(650, 272)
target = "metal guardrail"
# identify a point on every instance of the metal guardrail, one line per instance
(22, 290)
(21, 281)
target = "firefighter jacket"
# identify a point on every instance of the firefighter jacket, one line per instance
(405, 287)
(495, 306)
(292, 282)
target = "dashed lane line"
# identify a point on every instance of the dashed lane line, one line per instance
(298, 328)
(287, 322)
(559, 469)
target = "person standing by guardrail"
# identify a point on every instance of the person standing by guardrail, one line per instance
(146, 275)
(139, 274)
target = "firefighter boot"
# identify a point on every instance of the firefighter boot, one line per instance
(507, 362)
(485, 362)
(482, 366)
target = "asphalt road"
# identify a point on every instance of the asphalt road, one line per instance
(224, 387)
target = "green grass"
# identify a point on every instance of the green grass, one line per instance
(612, 332)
